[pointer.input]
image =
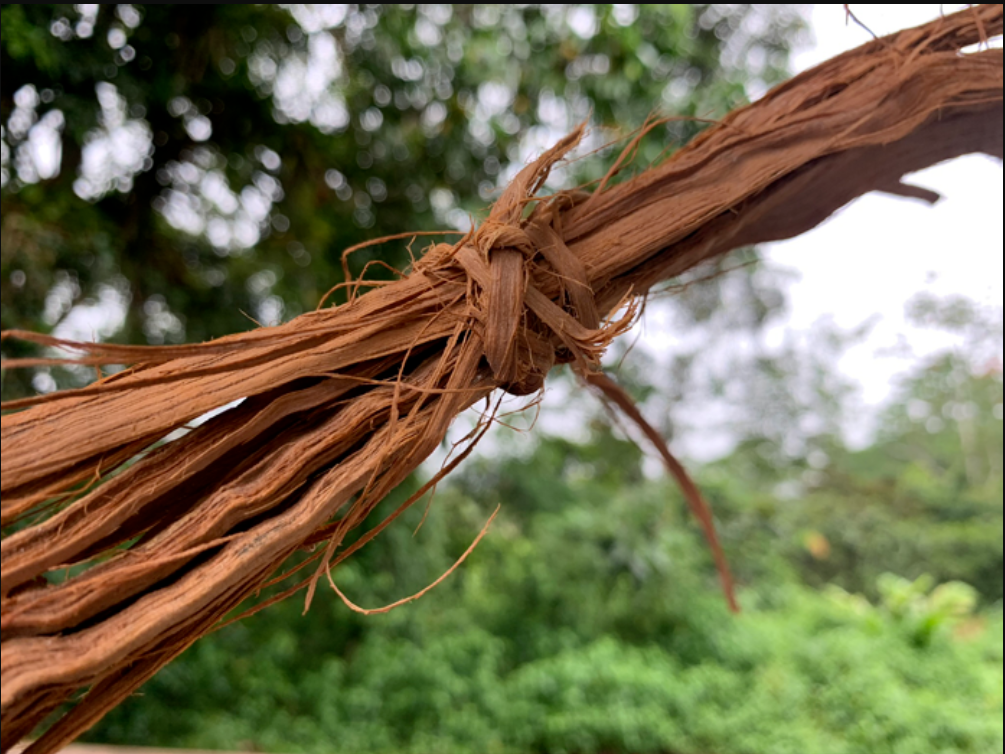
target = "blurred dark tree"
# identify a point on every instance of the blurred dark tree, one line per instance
(171, 172)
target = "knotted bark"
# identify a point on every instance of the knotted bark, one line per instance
(340, 405)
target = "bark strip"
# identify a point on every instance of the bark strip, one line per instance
(339, 405)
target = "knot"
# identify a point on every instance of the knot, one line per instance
(494, 235)
(528, 295)
(531, 297)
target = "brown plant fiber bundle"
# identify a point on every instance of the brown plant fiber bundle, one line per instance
(340, 405)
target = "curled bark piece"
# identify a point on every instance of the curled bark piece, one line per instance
(338, 406)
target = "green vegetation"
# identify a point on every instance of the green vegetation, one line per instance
(589, 620)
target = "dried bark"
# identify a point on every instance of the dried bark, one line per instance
(340, 405)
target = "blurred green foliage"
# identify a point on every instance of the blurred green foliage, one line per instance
(170, 171)
(590, 620)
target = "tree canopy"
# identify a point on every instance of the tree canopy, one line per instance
(185, 170)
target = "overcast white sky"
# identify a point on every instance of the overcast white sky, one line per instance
(878, 252)
(869, 259)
